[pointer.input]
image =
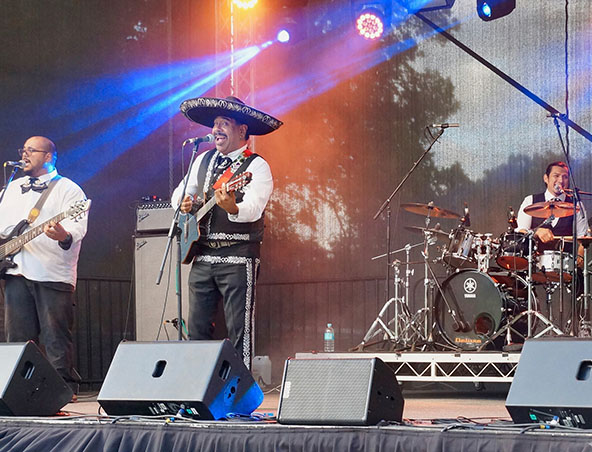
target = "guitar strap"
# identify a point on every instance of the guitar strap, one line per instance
(34, 213)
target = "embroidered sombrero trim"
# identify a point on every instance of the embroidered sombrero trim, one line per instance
(224, 104)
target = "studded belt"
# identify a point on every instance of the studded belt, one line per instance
(221, 243)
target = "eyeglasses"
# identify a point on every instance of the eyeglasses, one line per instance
(29, 151)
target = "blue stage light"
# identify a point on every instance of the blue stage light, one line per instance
(290, 30)
(283, 36)
(486, 9)
(494, 9)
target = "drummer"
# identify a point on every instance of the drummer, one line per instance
(556, 179)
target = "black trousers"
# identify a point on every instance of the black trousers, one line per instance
(35, 311)
(232, 279)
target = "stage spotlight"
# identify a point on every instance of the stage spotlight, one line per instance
(245, 4)
(283, 36)
(494, 9)
(370, 24)
(287, 31)
(372, 19)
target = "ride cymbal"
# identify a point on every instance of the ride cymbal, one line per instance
(544, 209)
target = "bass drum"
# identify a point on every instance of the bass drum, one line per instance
(473, 306)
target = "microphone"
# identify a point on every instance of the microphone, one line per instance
(466, 220)
(445, 125)
(512, 220)
(20, 164)
(207, 139)
(558, 189)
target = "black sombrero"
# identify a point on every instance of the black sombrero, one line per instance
(204, 110)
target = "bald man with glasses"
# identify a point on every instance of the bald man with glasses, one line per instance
(40, 278)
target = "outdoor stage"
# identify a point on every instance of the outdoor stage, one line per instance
(436, 417)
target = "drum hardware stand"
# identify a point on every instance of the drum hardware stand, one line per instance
(402, 313)
(530, 312)
(430, 280)
(585, 322)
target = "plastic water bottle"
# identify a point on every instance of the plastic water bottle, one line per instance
(329, 337)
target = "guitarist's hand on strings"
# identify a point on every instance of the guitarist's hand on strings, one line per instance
(226, 200)
(55, 231)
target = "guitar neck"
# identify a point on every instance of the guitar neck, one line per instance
(205, 209)
(17, 243)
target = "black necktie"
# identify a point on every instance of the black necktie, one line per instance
(33, 184)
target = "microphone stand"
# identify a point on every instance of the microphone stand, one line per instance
(576, 202)
(387, 202)
(14, 170)
(174, 231)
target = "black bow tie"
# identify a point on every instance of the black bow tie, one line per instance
(33, 184)
(223, 162)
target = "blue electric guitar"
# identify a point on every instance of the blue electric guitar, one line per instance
(190, 224)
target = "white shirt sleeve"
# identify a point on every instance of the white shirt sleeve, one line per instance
(191, 185)
(257, 193)
(524, 220)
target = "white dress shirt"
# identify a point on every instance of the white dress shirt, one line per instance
(525, 221)
(42, 259)
(256, 193)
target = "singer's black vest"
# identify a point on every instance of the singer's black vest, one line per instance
(217, 226)
(563, 227)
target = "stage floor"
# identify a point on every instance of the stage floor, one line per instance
(435, 420)
(422, 406)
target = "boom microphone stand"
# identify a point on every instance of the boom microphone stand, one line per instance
(175, 231)
(387, 202)
(577, 204)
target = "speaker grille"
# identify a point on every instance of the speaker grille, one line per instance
(320, 389)
(339, 392)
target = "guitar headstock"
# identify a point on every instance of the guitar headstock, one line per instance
(78, 208)
(239, 181)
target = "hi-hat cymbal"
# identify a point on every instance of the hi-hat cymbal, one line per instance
(545, 209)
(439, 233)
(425, 209)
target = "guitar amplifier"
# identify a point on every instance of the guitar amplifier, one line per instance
(154, 217)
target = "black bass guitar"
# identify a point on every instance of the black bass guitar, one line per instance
(12, 244)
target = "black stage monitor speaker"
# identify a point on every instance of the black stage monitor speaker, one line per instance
(206, 379)
(553, 383)
(30, 385)
(339, 392)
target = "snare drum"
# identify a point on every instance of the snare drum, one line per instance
(548, 267)
(513, 251)
(460, 253)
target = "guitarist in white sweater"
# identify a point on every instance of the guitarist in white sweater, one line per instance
(225, 259)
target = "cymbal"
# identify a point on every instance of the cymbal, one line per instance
(439, 233)
(424, 209)
(545, 209)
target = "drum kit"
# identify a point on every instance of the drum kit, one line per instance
(488, 298)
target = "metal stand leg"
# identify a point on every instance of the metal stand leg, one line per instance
(531, 313)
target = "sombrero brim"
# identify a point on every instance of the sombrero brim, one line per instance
(203, 110)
